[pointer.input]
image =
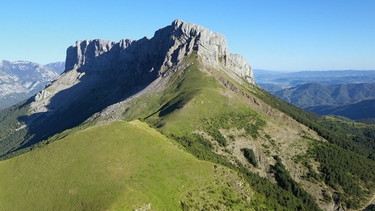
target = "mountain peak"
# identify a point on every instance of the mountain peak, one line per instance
(191, 29)
(177, 22)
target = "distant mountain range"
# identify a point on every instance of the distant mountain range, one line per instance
(347, 93)
(20, 80)
(267, 78)
(314, 94)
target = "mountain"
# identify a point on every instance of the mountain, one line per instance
(21, 79)
(362, 111)
(102, 73)
(349, 100)
(309, 95)
(176, 122)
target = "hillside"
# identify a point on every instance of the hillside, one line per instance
(207, 120)
(119, 166)
(353, 101)
(362, 111)
(194, 94)
(324, 92)
(309, 95)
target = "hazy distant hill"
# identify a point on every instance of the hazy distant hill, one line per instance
(363, 110)
(353, 101)
(314, 94)
(266, 78)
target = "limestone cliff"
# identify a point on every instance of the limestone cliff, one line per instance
(166, 48)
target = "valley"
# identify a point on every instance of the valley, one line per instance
(346, 94)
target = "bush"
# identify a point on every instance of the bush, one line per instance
(250, 156)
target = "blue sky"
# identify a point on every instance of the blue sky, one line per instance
(270, 34)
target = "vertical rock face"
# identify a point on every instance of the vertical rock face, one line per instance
(168, 47)
(211, 48)
(85, 51)
(99, 73)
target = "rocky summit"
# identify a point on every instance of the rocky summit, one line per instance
(128, 65)
(167, 48)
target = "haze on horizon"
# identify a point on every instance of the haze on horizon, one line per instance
(273, 35)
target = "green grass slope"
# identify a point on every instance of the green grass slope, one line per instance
(193, 98)
(119, 166)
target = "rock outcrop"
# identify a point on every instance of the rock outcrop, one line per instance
(168, 47)
(99, 73)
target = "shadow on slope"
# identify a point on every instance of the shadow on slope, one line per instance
(109, 78)
(120, 70)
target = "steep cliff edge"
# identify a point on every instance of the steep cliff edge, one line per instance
(168, 47)
(130, 65)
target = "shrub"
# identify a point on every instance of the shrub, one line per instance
(250, 156)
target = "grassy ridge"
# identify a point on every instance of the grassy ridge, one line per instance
(116, 166)
(192, 98)
(187, 87)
